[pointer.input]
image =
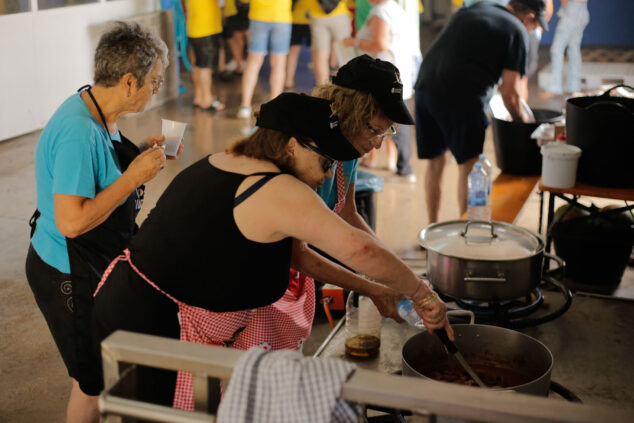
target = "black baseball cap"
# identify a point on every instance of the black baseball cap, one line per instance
(539, 7)
(379, 78)
(301, 115)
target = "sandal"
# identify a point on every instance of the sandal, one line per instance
(215, 106)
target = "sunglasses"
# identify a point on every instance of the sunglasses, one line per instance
(326, 162)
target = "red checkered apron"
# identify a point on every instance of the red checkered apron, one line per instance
(284, 324)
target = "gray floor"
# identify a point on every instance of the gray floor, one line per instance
(34, 385)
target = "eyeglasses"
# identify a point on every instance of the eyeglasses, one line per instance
(157, 83)
(376, 134)
(326, 163)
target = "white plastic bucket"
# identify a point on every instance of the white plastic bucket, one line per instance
(559, 164)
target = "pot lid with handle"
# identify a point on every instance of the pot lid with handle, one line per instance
(480, 240)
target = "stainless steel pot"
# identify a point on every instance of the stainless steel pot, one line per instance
(484, 345)
(481, 260)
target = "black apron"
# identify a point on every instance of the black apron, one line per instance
(90, 253)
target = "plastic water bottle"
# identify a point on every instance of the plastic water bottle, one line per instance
(407, 312)
(478, 207)
(488, 168)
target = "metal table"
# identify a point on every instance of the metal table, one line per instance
(592, 345)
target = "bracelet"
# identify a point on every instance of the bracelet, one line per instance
(427, 300)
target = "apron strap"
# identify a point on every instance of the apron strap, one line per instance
(126, 257)
(253, 188)
(341, 188)
(33, 221)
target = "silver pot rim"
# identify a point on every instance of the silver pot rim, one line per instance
(546, 373)
(481, 240)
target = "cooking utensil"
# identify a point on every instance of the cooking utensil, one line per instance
(453, 351)
(488, 349)
(602, 126)
(483, 261)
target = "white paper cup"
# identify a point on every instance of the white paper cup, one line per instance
(173, 132)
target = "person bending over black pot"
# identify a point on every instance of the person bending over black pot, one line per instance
(217, 248)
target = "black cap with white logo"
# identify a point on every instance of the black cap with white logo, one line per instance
(304, 116)
(379, 78)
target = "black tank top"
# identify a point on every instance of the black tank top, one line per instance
(190, 246)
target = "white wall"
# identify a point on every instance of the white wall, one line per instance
(46, 55)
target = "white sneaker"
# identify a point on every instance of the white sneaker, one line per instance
(231, 66)
(244, 112)
(411, 178)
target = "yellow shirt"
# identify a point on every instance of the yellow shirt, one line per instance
(271, 11)
(300, 12)
(230, 7)
(317, 12)
(203, 18)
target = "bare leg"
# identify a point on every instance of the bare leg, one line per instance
(433, 182)
(81, 408)
(392, 154)
(236, 43)
(250, 77)
(278, 74)
(463, 179)
(222, 56)
(204, 82)
(291, 65)
(198, 97)
(321, 59)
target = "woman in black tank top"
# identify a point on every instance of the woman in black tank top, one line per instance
(226, 231)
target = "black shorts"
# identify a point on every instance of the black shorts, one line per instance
(300, 34)
(440, 126)
(53, 292)
(206, 50)
(239, 22)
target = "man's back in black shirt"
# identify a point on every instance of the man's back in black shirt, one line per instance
(468, 57)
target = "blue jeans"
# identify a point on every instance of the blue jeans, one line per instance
(269, 37)
(568, 34)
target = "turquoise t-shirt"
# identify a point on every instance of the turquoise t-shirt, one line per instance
(328, 190)
(74, 156)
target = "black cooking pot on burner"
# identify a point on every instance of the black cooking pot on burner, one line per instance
(603, 127)
(517, 361)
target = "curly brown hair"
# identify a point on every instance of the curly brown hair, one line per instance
(355, 108)
(264, 144)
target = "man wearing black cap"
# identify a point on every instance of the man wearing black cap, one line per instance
(479, 45)
(368, 95)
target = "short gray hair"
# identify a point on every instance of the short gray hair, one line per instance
(127, 47)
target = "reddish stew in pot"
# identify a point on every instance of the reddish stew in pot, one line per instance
(500, 374)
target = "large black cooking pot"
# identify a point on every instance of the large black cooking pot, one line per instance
(482, 260)
(603, 127)
(506, 358)
(515, 151)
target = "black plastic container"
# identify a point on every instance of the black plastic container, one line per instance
(515, 152)
(596, 249)
(603, 127)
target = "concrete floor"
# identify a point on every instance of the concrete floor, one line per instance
(34, 385)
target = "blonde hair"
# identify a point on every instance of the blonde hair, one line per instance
(355, 108)
(264, 144)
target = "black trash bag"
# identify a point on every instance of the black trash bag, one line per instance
(596, 246)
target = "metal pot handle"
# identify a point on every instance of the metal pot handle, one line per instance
(560, 268)
(459, 313)
(485, 222)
